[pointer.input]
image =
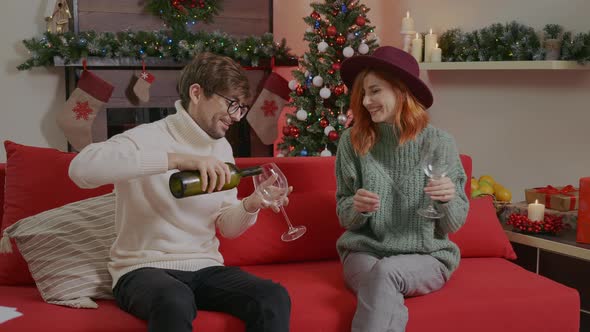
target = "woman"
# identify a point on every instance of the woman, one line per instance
(388, 250)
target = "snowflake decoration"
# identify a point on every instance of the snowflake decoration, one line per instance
(82, 110)
(269, 108)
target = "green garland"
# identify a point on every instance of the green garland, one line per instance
(180, 13)
(508, 42)
(177, 45)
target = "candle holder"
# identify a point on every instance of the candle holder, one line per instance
(551, 225)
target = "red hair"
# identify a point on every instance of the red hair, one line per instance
(410, 117)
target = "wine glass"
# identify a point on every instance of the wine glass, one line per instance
(273, 193)
(435, 162)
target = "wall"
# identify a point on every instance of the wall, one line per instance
(29, 99)
(525, 128)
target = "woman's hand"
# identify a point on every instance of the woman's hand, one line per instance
(210, 168)
(442, 190)
(365, 201)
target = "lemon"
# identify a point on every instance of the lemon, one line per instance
(497, 187)
(475, 193)
(485, 188)
(503, 195)
(487, 178)
(474, 185)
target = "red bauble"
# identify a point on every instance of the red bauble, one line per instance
(335, 12)
(299, 90)
(324, 122)
(333, 135)
(331, 31)
(331, 71)
(287, 130)
(340, 40)
(360, 21)
(339, 89)
(315, 15)
(336, 66)
(294, 131)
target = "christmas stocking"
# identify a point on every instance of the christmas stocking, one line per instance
(80, 110)
(141, 88)
(265, 112)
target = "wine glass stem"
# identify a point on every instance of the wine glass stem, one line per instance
(286, 217)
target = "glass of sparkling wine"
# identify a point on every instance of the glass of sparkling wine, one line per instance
(435, 162)
(273, 193)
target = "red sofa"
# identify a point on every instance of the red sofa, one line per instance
(487, 293)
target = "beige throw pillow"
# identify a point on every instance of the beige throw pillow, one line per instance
(67, 250)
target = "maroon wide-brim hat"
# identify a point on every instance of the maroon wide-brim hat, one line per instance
(393, 60)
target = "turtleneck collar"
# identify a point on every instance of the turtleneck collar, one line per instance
(186, 130)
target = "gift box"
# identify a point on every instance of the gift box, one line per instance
(555, 198)
(583, 227)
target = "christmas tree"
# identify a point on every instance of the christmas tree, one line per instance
(337, 30)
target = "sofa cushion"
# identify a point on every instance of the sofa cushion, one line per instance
(482, 234)
(36, 180)
(484, 295)
(67, 250)
(2, 175)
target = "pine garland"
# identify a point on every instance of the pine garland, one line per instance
(180, 13)
(511, 41)
(177, 45)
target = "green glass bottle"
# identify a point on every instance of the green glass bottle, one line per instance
(188, 183)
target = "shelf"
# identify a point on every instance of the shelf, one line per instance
(504, 65)
(565, 243)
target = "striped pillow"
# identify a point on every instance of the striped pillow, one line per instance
(67, 250)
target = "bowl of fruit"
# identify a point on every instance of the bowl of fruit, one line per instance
(486, 185)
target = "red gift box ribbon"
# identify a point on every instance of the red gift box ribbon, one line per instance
(551, 190)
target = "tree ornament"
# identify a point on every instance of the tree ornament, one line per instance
(301, 115)
(331, 31)
(331, 71)
(324, 123)
(336, 66)
(348, 51)
(300, 90)
(287, 130)
(293, 84)
(360, 21)
(322, 46)
(328, 129)
(289, 120)
(363, 48)
(339, 89)
(303, 152)
(318, 81)
(315, 15)
(294, 131)
(333, 135)
(325, 152)
(325, 93)
(340, 40)
(341, 119)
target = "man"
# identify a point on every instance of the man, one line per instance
(165, 261)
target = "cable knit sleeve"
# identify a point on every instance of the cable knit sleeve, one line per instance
(348, 180)
(233, 219)
(456, 210)
(115, 160)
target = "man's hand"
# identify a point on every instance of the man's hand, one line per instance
(442, 190)
(365, 201)
(210, 168)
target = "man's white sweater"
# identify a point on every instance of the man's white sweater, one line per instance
(154, 229)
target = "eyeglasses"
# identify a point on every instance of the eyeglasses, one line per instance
(234, 106)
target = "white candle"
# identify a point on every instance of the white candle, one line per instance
(417, 48)
(536, 211)
(407, 23)
(436, 55)
(430, 42)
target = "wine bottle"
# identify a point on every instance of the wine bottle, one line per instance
(188, 183)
